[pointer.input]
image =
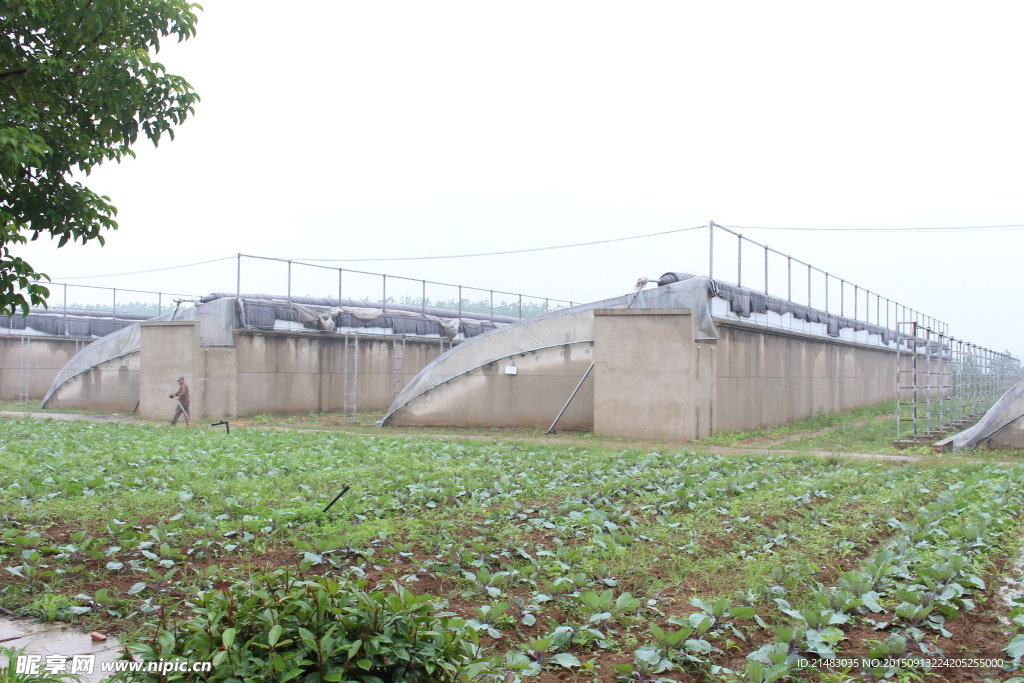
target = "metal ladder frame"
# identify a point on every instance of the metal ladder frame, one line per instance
(350, 386)
(397, 367)
(25, 374)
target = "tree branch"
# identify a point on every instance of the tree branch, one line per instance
(16, 72)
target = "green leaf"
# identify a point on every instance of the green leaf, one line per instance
(566, 660)
(1016, 647)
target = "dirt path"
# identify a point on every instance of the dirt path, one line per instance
(762, 447)
(56, 638)
(72, 416)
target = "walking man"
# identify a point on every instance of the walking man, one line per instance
(182, 397)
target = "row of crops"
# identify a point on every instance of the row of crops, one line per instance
(631, 565)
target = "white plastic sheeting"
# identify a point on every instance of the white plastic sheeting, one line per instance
(998, 416)
(124, 342)
(565, 326)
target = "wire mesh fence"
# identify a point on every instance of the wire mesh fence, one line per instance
(298, 278)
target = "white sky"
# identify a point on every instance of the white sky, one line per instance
(363, 130)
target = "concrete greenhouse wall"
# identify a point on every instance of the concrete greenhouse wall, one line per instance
(651, 380)
(47, 355)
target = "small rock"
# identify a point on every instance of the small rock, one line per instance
(98, 636)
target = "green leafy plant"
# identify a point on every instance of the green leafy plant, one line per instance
(279, 627)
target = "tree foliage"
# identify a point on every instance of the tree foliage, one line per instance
(78, 84)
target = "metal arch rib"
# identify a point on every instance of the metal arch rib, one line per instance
(467, 372)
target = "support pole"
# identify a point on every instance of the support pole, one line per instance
(238, 276)
(571, 397)
(711, 251)
(739, 260)
(289, 280)
(766, 271)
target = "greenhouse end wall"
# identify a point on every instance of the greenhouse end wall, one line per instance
(653, 380)
(277, 373)
(47, 355)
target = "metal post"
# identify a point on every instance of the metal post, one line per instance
(160, 303)
(339, 286)
(856, 295)
(492, 305)
(289, 280)
(766, 271)
(238, 276)
(711, 251)
(789, 279)
(460, 308)
(571, 397)
(423, 299)
(384, 294)
(545, 305)
(66, 334)
(842, 297)
(809, 272)
(113, 312)
(739, 260)
(826, 292)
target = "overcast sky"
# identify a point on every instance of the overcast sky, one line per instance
(379, 130)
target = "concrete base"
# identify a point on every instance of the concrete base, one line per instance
(652, 380)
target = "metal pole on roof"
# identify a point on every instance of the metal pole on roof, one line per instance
(766, 271)
(66, 311)
(492, 305)
(826, 292)
(113, 312)
(739, 260)
(789, 278)
(711, 250)
(289, 280)
(423, 299)
(520, 306)
(238, 277)
(809, 273)
(384, 300)
(842, 297)
(856, 294)
(159, 303)
(339, 286)
(460, 308)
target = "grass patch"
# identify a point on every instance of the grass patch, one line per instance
(818, 421)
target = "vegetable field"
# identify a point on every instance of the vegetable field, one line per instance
(542, 563)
